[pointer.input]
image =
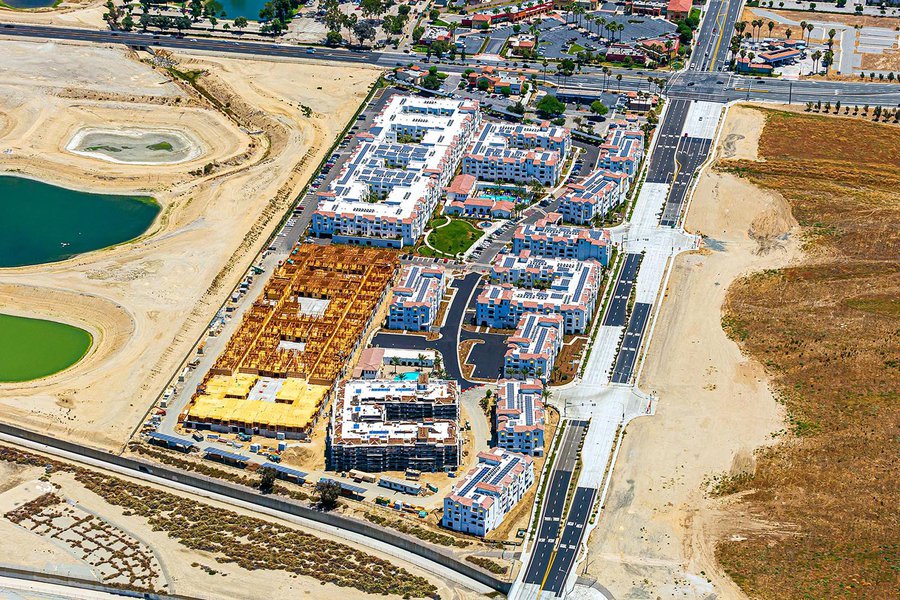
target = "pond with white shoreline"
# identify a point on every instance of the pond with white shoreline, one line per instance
(136, 146)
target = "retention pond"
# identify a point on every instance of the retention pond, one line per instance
(42, 223)
(135, 146)
(36, 348)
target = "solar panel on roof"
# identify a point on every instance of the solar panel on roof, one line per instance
(476, 479)
(225, 454)
(169, 439)
(504, 471)
(285, 470)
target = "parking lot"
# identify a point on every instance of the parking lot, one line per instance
(558, 40)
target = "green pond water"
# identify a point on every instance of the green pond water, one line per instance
(41, 223)
(35, 348)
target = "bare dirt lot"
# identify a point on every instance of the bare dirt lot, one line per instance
(223, 555)
(69, 13)
(658, 531)
(149, 300)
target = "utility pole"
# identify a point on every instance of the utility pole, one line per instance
(749, 87)
(790, 91)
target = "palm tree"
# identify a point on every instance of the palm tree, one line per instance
(809, 28)
(816, 56)
(788, 33)
(740, 26)
(831, 34)
(395, 362)
(803, 25)
(771, 26)
(619, 82)
(601, 23)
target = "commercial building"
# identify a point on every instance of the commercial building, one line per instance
(594, 196)
(547, 239)
(678, 10)
(507, 14)
(417, 298)
(293, 343)
(534, 284)
(532, 349)
(390, 425)
(478, 503)
(520, 416)
(518, 153)
(387, 190)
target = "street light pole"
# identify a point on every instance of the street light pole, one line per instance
(790, 91)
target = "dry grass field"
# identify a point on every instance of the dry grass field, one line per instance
(828, 332)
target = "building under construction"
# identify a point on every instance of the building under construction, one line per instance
(393, 425)
(296, 340)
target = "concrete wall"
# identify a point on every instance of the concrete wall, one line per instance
(246, 494)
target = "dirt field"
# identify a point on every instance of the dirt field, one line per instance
(70, 13)
(827, 331)
(196, 572)
(658, 530)
(148, 301)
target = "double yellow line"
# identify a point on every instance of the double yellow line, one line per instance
(721, 26)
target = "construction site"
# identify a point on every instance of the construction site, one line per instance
(296, 340)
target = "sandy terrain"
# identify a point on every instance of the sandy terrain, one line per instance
(70, 13)
(659, 528)
(230, 581)
(168, 284)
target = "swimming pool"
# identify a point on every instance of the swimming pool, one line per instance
(411, 376)
(499, 197)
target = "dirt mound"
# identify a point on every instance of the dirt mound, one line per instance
(771, 225)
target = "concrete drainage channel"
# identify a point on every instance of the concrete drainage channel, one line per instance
(144, 470)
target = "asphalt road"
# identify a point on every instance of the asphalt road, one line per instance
(448, 341)
(617, 311)
(631, 344)
(689, 156)
(662, 162)
(541, 559)
(692, 84)
(570, 540)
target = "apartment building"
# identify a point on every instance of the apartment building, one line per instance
(417, 298)
(594, 196)
(623, 149)
(478, 503)
(532, 349)
(546, 238)
(388, 425)
(520, 416)
(387, 190)
(518, 153)
(534, 284)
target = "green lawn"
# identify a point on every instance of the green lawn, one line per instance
(575, 49)
(456, 237)
(35, 348)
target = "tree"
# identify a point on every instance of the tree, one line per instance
(333, 38)
(417, 33)
(181, 23)
(371, 8)
(483, 84)
(128, 23)
(364, 30)
(618, 82)
(329, 491)
(240, 23)
(434, 14)
(517, 108)
(267, 479)
(395, 362)
(788, 33)
(598, 108)
(771, 26)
